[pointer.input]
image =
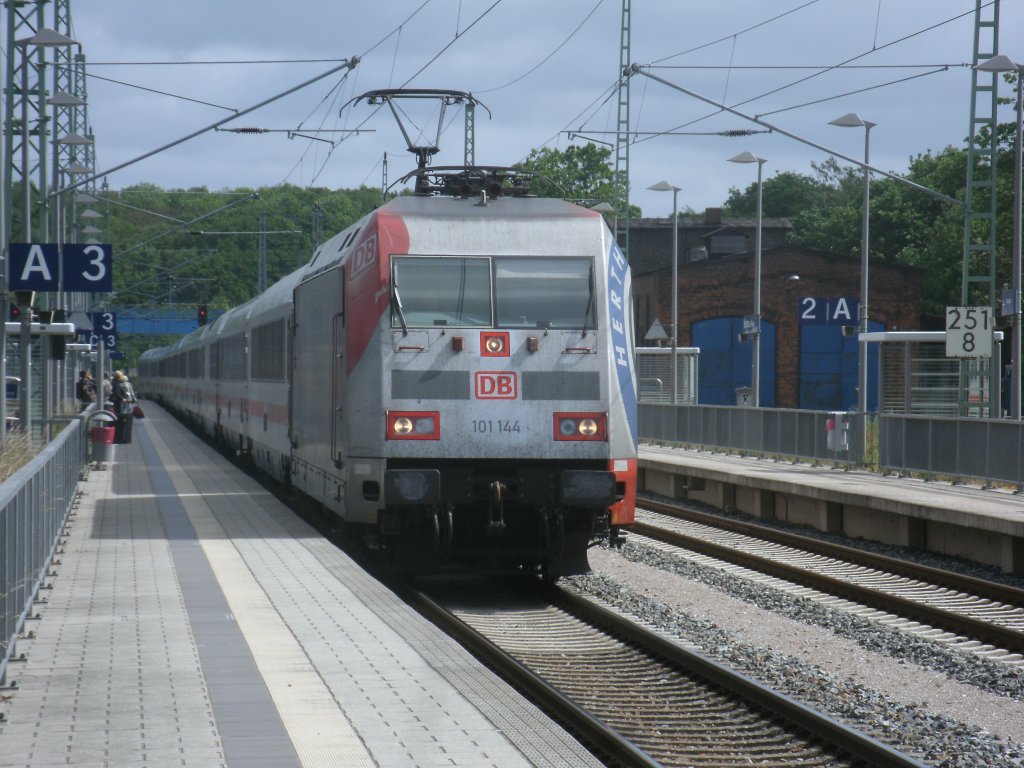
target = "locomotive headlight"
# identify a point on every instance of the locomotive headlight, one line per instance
(424, 425)
(413, 425)
(581, 426)
(494, 344)
(567, 427)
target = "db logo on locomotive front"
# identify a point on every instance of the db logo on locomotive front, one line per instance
(495, 385)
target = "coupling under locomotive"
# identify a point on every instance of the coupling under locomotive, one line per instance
(459, 386)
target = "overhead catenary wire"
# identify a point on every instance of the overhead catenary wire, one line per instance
(547, 58)
(824, 70)
(350, 64)
(458, 36)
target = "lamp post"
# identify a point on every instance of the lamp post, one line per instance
(664, 186)
(755, 365)
(853, 120)
(1002, 63)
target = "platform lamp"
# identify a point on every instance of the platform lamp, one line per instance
(1002, 63)
(755, 365)
(853, 120)
(664, 186)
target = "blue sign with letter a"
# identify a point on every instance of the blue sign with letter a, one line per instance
(34, 267)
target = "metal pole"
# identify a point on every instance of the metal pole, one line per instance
(1015, 373)
(862, 372)
(25, 342)
(675, 291)
(755, 366)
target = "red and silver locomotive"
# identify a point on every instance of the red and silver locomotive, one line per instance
(451, 377)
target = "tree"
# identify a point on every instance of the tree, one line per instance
(580, 173)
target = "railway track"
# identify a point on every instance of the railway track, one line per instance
(983, 617)
(638, 698)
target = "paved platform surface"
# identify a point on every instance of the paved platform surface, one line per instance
(195, 621)
(992, 509)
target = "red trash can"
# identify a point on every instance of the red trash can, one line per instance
(102, 443)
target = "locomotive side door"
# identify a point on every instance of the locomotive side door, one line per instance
(338, 391)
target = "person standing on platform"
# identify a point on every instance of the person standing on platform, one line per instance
(85, 390)
(108, 389)
(123, 397)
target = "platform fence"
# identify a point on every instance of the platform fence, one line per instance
(34, 504)
(983, 451)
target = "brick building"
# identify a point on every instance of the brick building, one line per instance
(806, 299)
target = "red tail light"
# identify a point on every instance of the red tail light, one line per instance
(581, 426)
(413, 425)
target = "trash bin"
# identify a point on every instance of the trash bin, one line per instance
(102, 444)
(101, 435)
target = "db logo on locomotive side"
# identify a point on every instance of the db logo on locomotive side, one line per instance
(495, 385)
(363, 256)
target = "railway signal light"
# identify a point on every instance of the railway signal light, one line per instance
(202, 316)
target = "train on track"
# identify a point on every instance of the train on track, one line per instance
(451, 378)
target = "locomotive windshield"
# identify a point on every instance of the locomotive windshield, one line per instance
(493, 292)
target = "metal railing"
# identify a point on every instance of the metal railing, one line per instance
(34, 504)
(779, 432)
(958, 449)
(991, 450)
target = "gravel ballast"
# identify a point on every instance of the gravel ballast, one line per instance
(945, 707)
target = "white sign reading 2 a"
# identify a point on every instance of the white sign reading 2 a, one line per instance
(969, 331)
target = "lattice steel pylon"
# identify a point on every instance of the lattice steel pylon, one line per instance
(24, 152)
(622, 218)
(979, 254)
(469, 155)
(73, 146)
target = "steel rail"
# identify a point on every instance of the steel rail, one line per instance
(847, 741)
(1003, 637)
(962, 582)
(857, 744)
(592, 730)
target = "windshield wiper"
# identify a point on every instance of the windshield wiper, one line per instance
(398, 303)
(590, 301)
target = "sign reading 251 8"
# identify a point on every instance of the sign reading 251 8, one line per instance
(969, 331)
(87, 267)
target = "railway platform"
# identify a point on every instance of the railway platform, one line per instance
(985, 525)
(193, 620)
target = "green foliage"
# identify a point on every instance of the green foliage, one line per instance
(907, 226)
(580, 173)
(200, 247)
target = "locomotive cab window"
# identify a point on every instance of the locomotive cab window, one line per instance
(429, 291)
(544, 293)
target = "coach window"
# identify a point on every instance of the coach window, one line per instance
(544, 293)
(441, 291)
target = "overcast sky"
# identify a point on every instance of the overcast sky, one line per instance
(542, 67)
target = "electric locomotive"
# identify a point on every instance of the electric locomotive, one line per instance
(456, 382)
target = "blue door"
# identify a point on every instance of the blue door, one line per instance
(828, 369)
(725, 361)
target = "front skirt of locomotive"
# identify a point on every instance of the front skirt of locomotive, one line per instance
(496, 516)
